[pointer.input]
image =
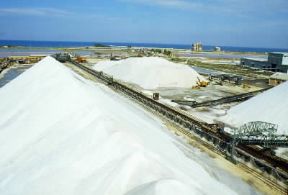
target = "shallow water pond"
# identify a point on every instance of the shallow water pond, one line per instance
(11, 74)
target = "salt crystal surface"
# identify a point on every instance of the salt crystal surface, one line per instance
(270, 106)
(151, 72)
(62, 134)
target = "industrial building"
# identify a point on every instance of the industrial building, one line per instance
(255, 62)
(276, 61)
(197, 47)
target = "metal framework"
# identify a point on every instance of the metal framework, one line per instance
(259, 133)
(256, 128)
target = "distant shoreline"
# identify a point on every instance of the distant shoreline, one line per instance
(70, 44)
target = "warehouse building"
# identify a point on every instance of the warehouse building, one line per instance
(255, 62)
(276, 61)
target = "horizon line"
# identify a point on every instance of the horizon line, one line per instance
(186, 44)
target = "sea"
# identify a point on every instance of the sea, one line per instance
(62, 44)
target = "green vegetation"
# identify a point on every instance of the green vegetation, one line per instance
(167, 52)
(156, 50)
(100, 45)
(178, 60)
(160, 51)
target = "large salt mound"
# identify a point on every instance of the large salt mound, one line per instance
(151, 72)
(61, 134)
(270, 106)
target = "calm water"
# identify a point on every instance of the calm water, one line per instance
(224, 55)
(34, 51)
(176, 46)
(11, 74)
(26, 52)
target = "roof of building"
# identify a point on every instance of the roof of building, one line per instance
(257, 59)
(280, 76)
(280, 53)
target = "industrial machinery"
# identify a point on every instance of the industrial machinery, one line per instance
(155, 96)
(62, 57)
(259, 133)
(226, 78)
(81, 59)
(200, 84)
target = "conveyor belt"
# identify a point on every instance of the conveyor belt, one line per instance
(221, 140)
(225, 100)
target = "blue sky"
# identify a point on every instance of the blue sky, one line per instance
(257, 23)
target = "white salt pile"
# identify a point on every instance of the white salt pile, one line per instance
(151, 72)
(61, 134)
(270, 106)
